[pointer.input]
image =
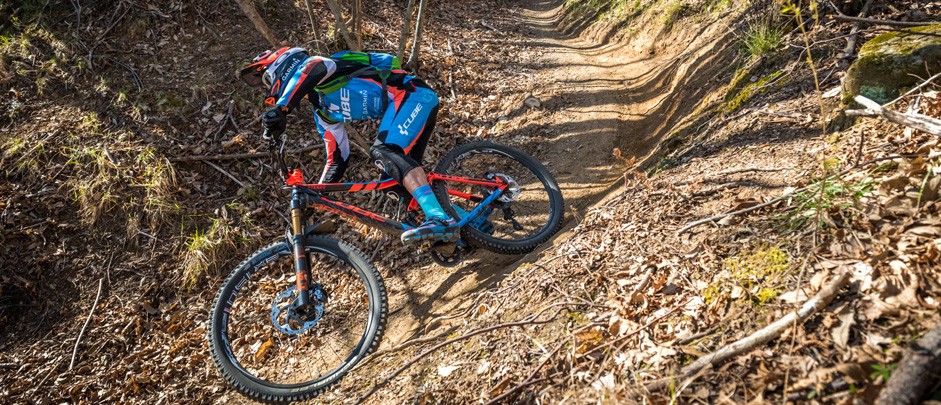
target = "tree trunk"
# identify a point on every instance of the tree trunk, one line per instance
(406, 24)
(416, 41)
(318, 34)
(249, 9)
(358, 23)
(341, 24)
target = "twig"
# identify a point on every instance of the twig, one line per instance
(229, 175)
(226, 120)
(101, 283)
(237, 156)
(851, 41)
(694, 224)
(636, 331)
(748, 169)
(644, 281)
(917, 121)
(530, 320)
(742, 211)
(843, 17)
(524, 385)
(529, 380)
(918, 370)
(914, 89)
(488, 25)
(764, 335)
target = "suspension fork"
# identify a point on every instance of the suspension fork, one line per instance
(301, 266)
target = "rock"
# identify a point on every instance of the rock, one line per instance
(532, 102)
(891, 61)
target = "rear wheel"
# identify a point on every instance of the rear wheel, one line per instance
(271, 352)
(528, 212)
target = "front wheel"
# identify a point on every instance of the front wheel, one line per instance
(528, 212)
(271, 352)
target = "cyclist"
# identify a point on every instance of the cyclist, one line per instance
(408, 110)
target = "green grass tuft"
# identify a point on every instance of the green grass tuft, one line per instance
(762, 39)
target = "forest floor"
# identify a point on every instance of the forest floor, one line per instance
(634, 119)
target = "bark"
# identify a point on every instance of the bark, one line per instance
(358, 23)
(416, 40)
(341, 24)
(249, 9)
(406, 25)
(318, 33)
(919, 371)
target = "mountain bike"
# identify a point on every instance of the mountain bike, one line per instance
(297, 315)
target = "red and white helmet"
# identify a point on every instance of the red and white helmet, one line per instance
(257, 73)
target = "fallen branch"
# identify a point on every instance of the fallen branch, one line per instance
(694, 224)
(764, 335)
(237, 156)
(530, 320)
(916, 373)
(101, 283)
(227, 174)
(917, 121)
(843, 17)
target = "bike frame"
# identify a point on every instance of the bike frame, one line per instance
(304, 195)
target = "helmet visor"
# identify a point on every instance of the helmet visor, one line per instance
(252, 75)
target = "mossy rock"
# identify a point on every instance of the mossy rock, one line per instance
(890, 62)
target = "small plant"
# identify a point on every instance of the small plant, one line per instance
(205, 251)
(95, 182)
(884, 371)
(158, 180)
(762, 38)
(673, 11)
(827, 197)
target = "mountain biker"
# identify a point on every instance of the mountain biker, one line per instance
(408, 110)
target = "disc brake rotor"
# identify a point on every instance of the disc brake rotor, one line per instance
(284, 313)
(512, 190)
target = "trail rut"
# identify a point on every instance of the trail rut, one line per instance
(598, 91)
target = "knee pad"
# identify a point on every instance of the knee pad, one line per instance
(392, 159)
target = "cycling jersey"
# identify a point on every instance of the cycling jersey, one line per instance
(406, 123)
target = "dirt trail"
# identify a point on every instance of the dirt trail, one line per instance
(596, 94)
